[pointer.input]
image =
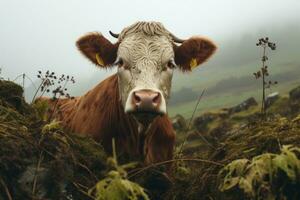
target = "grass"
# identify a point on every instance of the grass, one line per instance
(243, 142)
(222, 100)
(205, 77)
(72, 164)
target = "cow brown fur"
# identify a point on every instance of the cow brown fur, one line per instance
(99, 113)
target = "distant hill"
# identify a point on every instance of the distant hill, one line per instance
(239, 56)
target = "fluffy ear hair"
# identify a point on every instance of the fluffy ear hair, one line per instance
(193, 52)
(98, 49)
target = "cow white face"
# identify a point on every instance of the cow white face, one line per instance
(146, 55)
(145, 72)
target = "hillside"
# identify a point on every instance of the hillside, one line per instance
(237, 137)
(212, 161)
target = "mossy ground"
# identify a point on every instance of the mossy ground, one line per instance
(46, 163)
(242, 135)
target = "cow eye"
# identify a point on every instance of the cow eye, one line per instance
(120, 62)
(171, 64)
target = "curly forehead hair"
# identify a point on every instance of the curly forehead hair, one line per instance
(147, 28)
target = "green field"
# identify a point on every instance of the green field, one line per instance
(236, 95)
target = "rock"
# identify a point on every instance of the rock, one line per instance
(12, 94)
(220, 131)
(192, 135)
(179, 123)
(243, 106)
(201, 122)
(8, 89)
(224, 113)
(295, 94)
(271, 98)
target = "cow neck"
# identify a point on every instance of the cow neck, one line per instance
(131, 135)
(128, 132)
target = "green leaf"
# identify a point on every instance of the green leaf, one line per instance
(114, 187)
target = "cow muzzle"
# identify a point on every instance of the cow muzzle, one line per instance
(145, 103)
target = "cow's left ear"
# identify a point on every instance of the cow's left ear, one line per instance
(193, 52)
(98, 49)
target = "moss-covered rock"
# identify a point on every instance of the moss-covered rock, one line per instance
(11, 95)
(39, 160)
(295, 94)
(9, 89)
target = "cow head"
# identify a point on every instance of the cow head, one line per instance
(146, 55)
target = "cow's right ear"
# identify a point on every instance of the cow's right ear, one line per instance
(98, 49)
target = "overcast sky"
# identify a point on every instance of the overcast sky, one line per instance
(41, 34)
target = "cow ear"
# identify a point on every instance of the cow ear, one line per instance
(98, 49)
(193, 52)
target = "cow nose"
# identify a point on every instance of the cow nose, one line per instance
(146, 100)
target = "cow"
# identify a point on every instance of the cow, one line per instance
(131, 105)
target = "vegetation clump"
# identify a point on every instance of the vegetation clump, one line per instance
(39, 160)
(267, 176)
(236, 153)
(235, 140)
(116, 185)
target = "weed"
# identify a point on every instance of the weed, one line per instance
(264, 43)
(116, 184)
(57, 85)
(47, 80)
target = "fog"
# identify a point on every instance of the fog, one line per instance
(41, 34)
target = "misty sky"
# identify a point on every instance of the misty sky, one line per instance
(41, 34)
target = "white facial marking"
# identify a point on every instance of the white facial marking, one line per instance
(145, 63)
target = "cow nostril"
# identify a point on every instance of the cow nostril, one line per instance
(137, 99)
(156, 99)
